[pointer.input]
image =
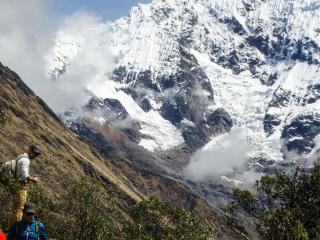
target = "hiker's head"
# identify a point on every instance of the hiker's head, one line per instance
(34, 151)
(29, 211)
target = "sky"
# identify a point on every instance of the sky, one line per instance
(106, 9)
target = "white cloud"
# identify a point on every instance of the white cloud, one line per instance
(87, 65)
(223, 156)
(24, 38)
(27, 34)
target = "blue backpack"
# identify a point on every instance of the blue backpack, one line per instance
(35, 234)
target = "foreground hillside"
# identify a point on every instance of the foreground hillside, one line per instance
(66, 156)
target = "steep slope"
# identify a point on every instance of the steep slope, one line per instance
(67, 156)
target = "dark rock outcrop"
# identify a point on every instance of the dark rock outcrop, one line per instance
(300, 133)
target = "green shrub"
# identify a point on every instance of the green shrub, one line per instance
(8, 187)
(163, 221)
(87, 214)
(284, 207)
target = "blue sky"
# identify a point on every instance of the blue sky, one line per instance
(107, 9)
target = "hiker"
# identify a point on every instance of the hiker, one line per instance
(21, 173)
(29, 227)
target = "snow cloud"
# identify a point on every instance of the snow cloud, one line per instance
(85, 39)
(225, 155)
(28, 34)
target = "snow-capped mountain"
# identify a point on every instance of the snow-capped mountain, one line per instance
(189, 70)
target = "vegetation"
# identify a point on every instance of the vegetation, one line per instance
(284, 207)
(7, 186)
(88, 215)
(87, 212)
(3, 116)
(163, 221)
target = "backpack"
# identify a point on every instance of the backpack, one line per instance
(10, 167)
(36, 230)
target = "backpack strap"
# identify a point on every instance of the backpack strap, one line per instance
(36, 230)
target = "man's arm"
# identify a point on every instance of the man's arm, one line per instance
(24, 169)
(24, 175)
(12, 232)
(43, 232)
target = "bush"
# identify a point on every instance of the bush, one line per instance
(163, 221)
(87, 215)
(284, 207)
(8, 187)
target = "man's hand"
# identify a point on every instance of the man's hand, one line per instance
(35, 179)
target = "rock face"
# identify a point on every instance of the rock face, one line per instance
(189, 70)
(300, 134)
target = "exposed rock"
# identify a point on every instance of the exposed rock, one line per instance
(220, 120)
(300, 134)
(312, 95)
(107, 106)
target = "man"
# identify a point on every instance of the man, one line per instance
(28, 228)
(22, 175)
